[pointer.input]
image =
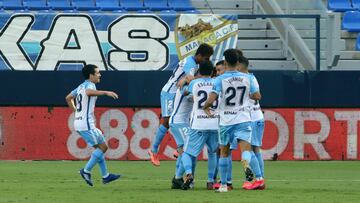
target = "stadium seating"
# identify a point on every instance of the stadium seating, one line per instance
(108, 5)
(133, 5)
(36, 4)
(12, 4)
(340, 5)
(156, 5)
(351, 21)
(60, 5)
(357, 46)
(181, 5)
(356, 4)
(84, 5)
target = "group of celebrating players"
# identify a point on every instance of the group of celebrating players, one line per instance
(200, 105)
(219, 107)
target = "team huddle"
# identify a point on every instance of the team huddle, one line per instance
(217, 107)
(201, 105)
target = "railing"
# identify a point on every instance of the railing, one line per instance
(316, 17)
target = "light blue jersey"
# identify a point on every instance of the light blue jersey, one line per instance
(185, 67)
(234, 89)
(200, 89)
(84, 114)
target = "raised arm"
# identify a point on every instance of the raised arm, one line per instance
(91, 92)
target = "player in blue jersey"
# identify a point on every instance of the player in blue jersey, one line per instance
(186, 69)
(84, 123)
(235, 90)
(179, 128)
(204, 128)
(258, 124)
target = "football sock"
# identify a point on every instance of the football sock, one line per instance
(93, 160)
(229, 171)
(211, 166)
(187, 162)
(160, 133)
(261, 162)
(223, 167)
(179, 167)
(254, 164)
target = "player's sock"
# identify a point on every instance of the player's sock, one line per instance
(179, 168)
(246, 155)
(261, 162)
(223, 167)
(254, 164)
(160, 133)
(103, 167)
(187, 162)
(217, 167)
(211, 166)
(229, 171)
(93, 160)
(194, 162)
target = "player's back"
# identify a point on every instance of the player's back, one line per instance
(184, 67)
(255, 108)
(84, 114)
(200, 89)
(182, 108)
(234, 89)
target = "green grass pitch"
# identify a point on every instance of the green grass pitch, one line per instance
(286, 181)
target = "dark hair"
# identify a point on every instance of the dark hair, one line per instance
(88, 69)
(220, 63)
(231, 56)
(240, 53)
(243, 60)
(206, 68)
(205, 50)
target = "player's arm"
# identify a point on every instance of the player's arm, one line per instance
(254, 89)
(92, 92)
(255, 96)
(209, 102)
(70, 101)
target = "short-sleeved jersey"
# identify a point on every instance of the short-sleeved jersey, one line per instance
(255, 109)
(185, 67)
(182, 108)
(84, 115)
(234, 89)
(200, 90)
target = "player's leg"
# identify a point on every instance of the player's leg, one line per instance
(259, 132)
(101, 148)
(167, 102)
(178, 131)
(224, 143)
(243, 135)
(193, 146)
(212, 145)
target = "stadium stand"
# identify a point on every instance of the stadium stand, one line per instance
(36, 4)
(108, 5)
(340, 5)
(60, 5)
(84, 5)
(258, 38)
(157, 5)
(351, 21)
(12, 4)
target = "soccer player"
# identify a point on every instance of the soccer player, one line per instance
(235, 89)
(179, 128)
(85, 95)
(185, 69)
(257, 125)
(204, 128)
(220, 67)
